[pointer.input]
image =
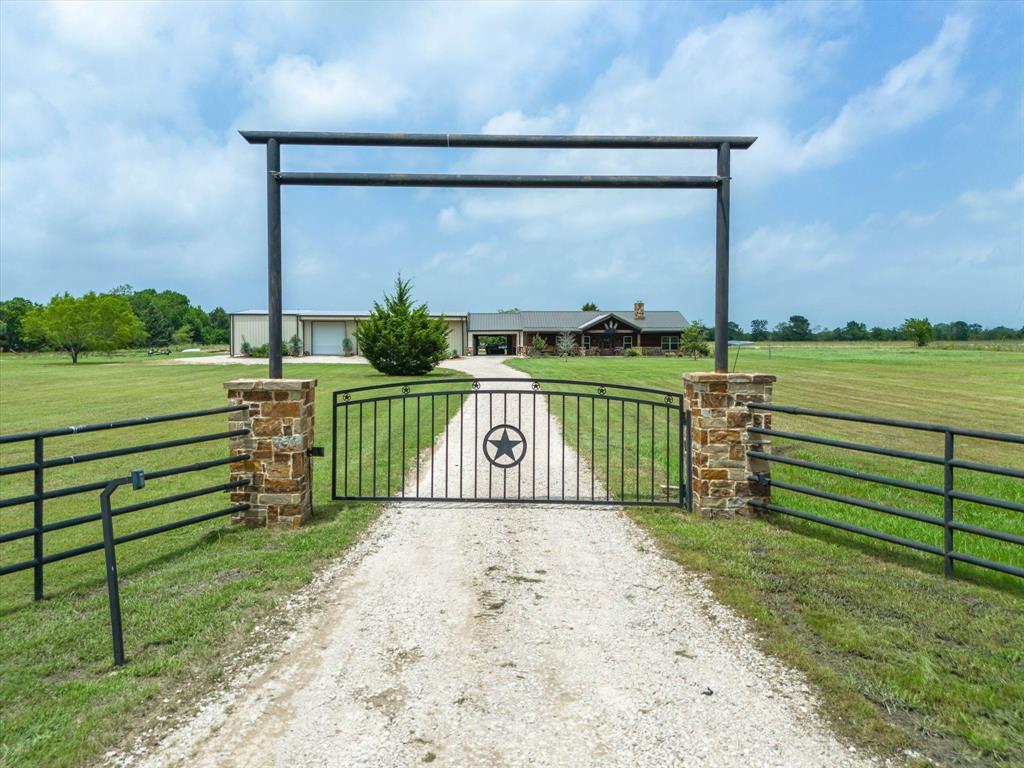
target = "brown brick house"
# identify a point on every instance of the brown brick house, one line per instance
(607, 332)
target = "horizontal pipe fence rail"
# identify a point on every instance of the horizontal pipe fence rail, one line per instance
(40, 494)
(947, 492)
(510, 440)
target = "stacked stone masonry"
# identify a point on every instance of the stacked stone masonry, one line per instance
(280, 419)
(717, 403)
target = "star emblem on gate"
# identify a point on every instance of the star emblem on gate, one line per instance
(504, 446)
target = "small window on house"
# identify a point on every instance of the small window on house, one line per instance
(586, 341)
(670, 343)
(627, 342)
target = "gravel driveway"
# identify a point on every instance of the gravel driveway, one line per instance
(510, 636)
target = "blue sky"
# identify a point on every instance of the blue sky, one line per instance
(888, 179)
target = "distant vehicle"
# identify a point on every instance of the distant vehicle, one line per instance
(495, 349)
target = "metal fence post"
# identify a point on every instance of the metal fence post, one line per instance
(947, 503)
(687, 422)
(722, 262)
(37, 518)
(113, 592)
(138, 480)
(274, 260)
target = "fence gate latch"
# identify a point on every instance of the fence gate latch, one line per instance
(315, 450)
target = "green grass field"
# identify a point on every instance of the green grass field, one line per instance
(191, 598)
(902, 657)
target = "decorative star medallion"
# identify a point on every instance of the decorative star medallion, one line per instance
(504, 446)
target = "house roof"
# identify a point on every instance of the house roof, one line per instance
(334, 313)
(654, 320)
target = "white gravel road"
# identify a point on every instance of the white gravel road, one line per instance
(491, 635)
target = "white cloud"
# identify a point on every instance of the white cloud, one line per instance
(990, 205)
(303, 92)
(807, 248)
(118, 160)
(911, 92)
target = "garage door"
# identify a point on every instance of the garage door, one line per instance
(327, 338)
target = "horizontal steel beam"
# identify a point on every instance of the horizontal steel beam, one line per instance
(483, 141)
(494, 181)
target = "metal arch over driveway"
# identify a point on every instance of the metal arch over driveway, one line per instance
(276, 178)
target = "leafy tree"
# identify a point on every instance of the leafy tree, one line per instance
(565, 344)
(221, 324)
(202, 329)
(12, 315)
(86, 324)
(693, 340)
(183, 336)
(854, 331)
(589, 307)
(158, 328)
(880, 334)
(918, 330)
(735, 332)
(758, 330)
(800, 328)
(400, 339)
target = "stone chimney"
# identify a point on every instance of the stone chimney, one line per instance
(638, 310)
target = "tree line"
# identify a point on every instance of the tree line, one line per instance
(101, 322)
(919, 330)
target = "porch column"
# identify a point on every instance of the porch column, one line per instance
(720, 467)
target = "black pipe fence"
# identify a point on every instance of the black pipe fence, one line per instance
(947, 492)
(40, 494)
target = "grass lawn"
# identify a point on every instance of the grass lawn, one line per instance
(901, 657)
(191, 598)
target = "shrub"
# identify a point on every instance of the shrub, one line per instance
(565, 344)
(539, 345)
(633, 352)
(400, 339)
(263, 350)
(346, 346)
(295, 346)
(246, 348)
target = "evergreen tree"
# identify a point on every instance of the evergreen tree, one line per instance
(400, 339)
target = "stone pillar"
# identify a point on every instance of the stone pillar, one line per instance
(280, 419)
(720, 441)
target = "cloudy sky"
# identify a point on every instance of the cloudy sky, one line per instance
(887, 179)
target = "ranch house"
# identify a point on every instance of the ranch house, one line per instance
(595, 332)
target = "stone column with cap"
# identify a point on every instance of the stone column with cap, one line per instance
(719, 421)
(280, 420)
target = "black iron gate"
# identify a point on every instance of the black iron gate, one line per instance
(512, 440)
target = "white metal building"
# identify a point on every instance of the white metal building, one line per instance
(323, 332)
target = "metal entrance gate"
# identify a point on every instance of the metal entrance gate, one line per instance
(511, 440)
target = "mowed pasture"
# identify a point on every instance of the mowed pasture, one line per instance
(191, 597)
(903, 658)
